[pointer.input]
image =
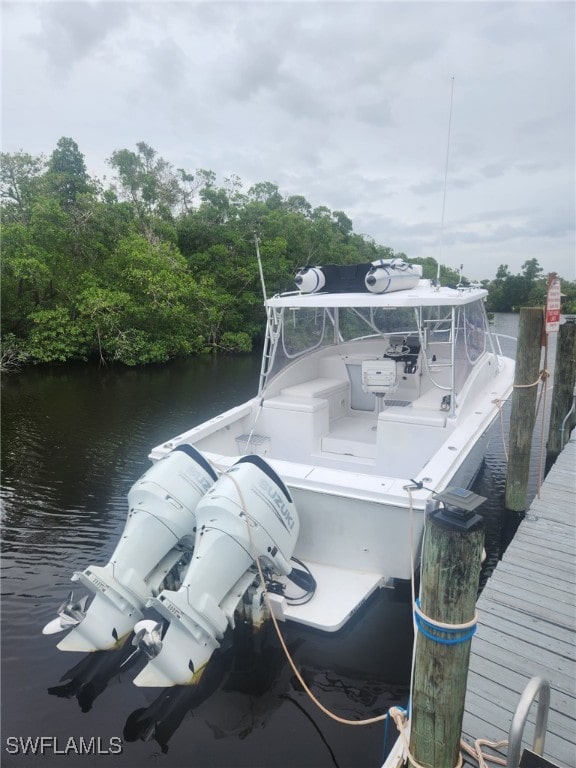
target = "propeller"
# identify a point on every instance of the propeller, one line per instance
(70, 614)
(148, 637)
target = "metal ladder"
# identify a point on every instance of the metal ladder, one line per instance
(537, 687)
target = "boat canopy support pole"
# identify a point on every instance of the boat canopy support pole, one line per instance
(270, 345)
(452, 413)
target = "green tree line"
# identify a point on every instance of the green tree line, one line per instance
(160, 262)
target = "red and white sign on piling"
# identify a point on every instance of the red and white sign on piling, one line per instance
(553, 304)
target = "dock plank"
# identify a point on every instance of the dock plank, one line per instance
(538, 606)
(527, 623)
(516, 681)
(509, 628)
(495, 614)
(550, 575)
(541, 587)
(507, 698)
(533, 550)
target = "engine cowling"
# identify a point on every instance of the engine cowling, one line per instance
(247, 514)
(160, 527)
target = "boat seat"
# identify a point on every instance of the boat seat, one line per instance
(335, 391)
(322, 387)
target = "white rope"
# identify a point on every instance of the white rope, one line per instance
(442, 625)
(542, 377)
(332, 715)
(480, 756)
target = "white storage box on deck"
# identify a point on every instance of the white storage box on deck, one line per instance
(295, 425)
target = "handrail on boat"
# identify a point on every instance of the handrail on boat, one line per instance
(499, 336)
(505, 336)
(537, 687)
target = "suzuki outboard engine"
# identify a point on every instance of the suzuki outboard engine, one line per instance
(247, 514)
(160, 529)
(389, 275)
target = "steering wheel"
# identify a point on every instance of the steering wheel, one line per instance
(397, 350)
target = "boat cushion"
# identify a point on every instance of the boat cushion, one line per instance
(301, 404)
(321, 387)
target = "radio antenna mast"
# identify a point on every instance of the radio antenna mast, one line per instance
(263, 284)
(445, 184)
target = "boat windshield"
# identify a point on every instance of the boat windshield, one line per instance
(307, 329)
(298, 331)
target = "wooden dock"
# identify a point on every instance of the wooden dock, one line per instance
(527, 623)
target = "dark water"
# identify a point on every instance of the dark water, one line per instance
(73, 442)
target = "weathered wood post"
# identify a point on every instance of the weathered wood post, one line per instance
(564, 383)
(451, 561)
(523, 413)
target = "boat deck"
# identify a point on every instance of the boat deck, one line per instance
(527, 618)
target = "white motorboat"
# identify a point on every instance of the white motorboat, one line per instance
(371, 401)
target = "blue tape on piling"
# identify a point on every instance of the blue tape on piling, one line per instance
(424, 626)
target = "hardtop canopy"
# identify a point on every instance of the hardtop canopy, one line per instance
(425, 294)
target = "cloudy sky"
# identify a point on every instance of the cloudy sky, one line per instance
(346, 103)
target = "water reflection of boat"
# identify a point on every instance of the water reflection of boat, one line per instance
(251, 675)
(90, 677)
(309, 494)
(248, 680)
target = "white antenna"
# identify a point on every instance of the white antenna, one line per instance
(445, 183)
(257, 242)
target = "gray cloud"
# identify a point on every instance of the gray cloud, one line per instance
(345, 103)
(71, 31)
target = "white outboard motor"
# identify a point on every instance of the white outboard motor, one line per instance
(247, 514)
(160, 528)
(389, 275)
(310, 279)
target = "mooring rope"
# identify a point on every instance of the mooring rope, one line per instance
(543, 376)
(332, 715)
(499, 403)
(480, 756)
(460, 632)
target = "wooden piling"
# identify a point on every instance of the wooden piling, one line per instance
(523, 413)
(564, 383)
(451, 561)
